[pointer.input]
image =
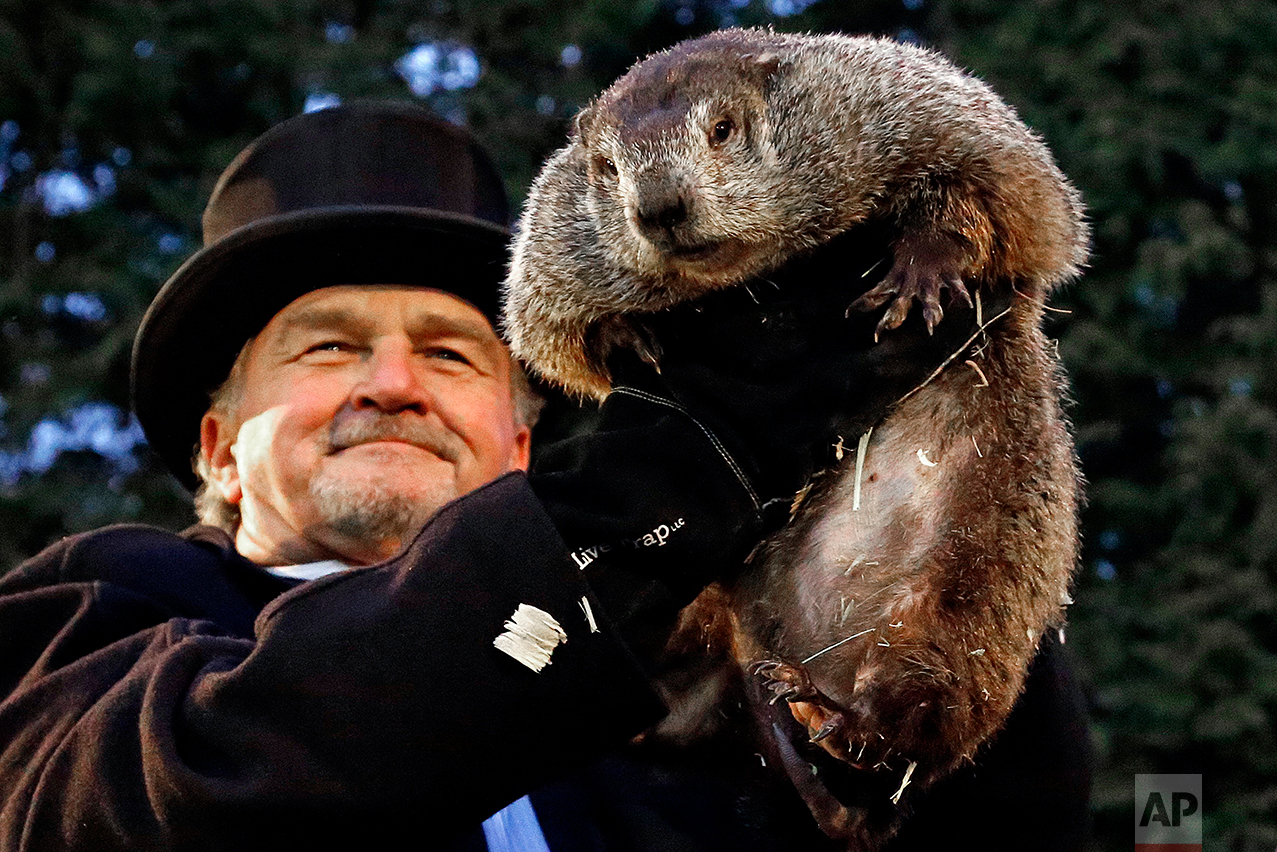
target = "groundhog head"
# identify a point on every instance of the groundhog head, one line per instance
(683, 184)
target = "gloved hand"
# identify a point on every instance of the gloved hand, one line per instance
(688, 467)
(651, 504)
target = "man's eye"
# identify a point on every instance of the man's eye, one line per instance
(449, 355)
(329, 346)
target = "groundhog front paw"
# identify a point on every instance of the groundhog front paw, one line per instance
(924, 265)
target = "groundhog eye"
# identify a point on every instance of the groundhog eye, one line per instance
(722, 131)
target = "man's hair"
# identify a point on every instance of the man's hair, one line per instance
(212, 508)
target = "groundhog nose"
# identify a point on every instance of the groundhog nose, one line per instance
(663, 214)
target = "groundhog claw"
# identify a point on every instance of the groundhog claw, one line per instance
(834, 724)
(794, 684)
(902, 287)
(785, 681)
(924, 266)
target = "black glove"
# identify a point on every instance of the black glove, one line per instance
(688, 468)
(651, 505)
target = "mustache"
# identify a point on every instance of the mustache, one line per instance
(351, 428)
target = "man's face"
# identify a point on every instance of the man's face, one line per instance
(362, 411)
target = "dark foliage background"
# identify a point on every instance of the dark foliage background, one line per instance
(115, 118)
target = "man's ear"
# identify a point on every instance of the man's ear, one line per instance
(521, 455)
(217, 440)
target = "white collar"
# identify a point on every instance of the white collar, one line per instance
(310, 570)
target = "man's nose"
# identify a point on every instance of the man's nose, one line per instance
(390, 383)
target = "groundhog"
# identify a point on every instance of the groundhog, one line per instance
(897, 612)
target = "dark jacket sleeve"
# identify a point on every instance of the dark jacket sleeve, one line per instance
(368, 705)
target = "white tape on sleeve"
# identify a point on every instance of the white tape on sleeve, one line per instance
(530, 636)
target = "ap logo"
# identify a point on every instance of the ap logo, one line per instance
(1168, 813)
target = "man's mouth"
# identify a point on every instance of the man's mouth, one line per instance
(380, 442)
(389, 447)
(363, 430)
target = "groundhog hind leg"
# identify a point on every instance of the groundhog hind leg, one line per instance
(850, 801)
(817, 712)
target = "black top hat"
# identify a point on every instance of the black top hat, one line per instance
(365, 193)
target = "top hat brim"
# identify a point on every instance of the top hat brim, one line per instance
(226, 293)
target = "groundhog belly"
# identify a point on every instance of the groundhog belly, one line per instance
(894, 614)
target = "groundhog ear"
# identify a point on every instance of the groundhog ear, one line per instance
(764, 65)
(582, 123)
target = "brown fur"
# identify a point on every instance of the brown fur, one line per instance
(718, 161)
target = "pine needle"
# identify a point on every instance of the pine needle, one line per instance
(836, 644)
(861, 447)
(947, 361)
(913, 764)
